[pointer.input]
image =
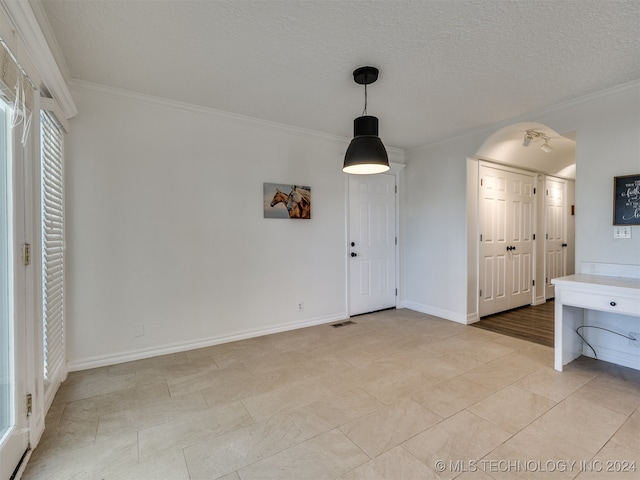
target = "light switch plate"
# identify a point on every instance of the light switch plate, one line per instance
(622, 232)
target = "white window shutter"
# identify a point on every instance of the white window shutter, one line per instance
(53, 246)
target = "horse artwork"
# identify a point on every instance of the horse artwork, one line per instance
(286, 201)
(299, 201)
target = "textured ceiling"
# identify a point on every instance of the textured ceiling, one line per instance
(446, 67)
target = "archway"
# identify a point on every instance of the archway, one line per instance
(507, 148)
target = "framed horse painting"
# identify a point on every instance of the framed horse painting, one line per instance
(281, 200)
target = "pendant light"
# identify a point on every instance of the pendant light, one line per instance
(366, 153)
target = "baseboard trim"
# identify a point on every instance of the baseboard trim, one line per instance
(436, 312)
(122, 357)
(613, 356)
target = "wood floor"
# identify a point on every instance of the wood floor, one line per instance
(533, 323)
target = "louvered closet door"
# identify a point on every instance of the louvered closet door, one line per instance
(53, 249)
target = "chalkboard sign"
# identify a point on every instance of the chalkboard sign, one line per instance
(626, 200)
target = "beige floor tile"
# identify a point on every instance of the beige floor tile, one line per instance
(614, 462)
(333, 411)
(512, 408)
(621, 401)
(474, 475)
(555, 385)
(324, 457)
(243, 351)
(163, 439)
(628, 436)
(502, 371)
(543, 355)
(287, 397)
(404, 387)
(463, 437)
(169, 467)
(82, 462)
(582, 423)
(275, 362)
(209, 379)
(449, 366)
(231, 476)
(396, 464)
(92, 387)
(155, 362)
(513, 342)
(225, 454)
(145, 416)
(54, 415)
(618, 378)
(387, 427)
(487, 351)
(69, 435)
(198, 365)
(90, 409)
(231, 388)
(534, 453)
(450, 397)
(392, 388)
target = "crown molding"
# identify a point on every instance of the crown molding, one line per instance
(528, 116)
(28, 29)
(93, 88)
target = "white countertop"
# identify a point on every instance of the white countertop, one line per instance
(600, 283)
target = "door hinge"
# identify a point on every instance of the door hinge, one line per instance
(534, 236)
(481, 182)
(481, 293)
(480, 237)
(533, 282)
(546, 279)
(396, 240)
(26, 253)
(534, 191)
(29, 404)
(396, 188)
(396, 292)
(547, 236)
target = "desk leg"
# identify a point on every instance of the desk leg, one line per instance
(568, 345)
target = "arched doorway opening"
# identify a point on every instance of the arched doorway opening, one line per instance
(535, 239)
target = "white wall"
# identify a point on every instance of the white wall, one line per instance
(436, 274)
(434, 245)
(166, 228)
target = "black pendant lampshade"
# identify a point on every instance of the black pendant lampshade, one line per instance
(366, 153)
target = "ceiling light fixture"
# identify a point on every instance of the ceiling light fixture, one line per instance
(366, 153)
(533, 134)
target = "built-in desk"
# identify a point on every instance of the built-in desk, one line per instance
(580, 292)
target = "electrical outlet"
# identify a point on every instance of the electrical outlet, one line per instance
(634, 339)
(300, 306)
(138, 330)
(622, 232)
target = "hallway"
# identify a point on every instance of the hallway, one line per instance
(532, 323)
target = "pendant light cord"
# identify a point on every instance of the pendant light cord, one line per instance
(364, 112)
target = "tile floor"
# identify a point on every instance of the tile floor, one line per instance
(399, 395)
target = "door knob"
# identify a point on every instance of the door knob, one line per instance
(353, 244)
(354, 254)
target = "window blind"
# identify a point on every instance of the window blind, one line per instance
(53, 247)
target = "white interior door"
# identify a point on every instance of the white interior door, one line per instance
(14, 431)
(372, 240)
(555, 235)
(506, 239)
